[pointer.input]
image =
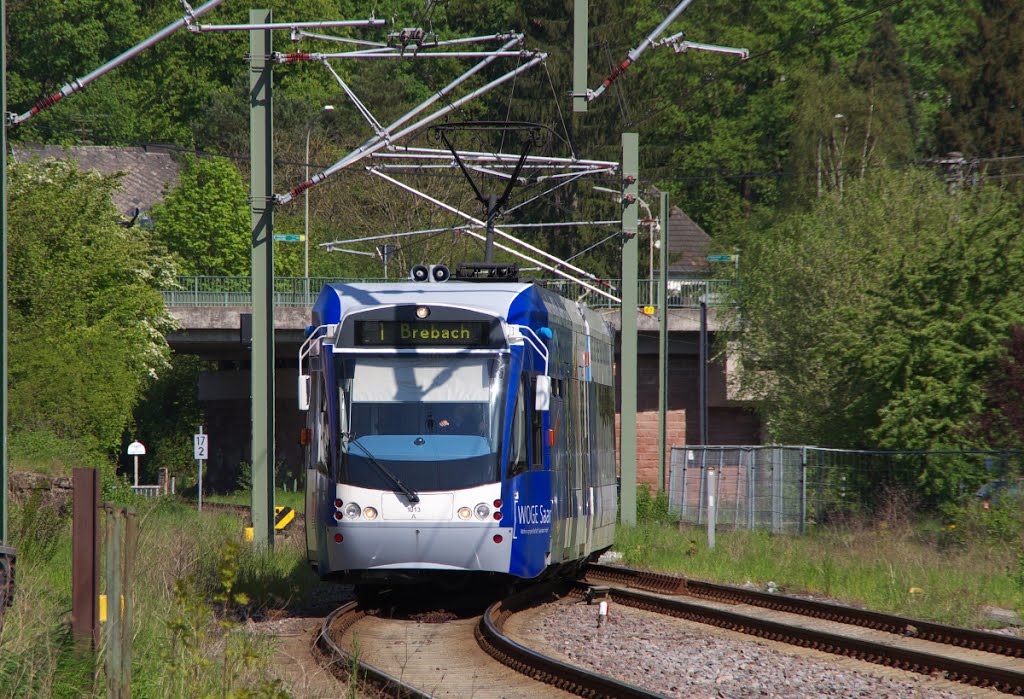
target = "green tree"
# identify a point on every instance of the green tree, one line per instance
(875, 320)
(166, 417)
(987, 91)
(1002, 423)
(86, 320)
(205, 221)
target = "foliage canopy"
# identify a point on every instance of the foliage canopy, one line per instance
(87, 323)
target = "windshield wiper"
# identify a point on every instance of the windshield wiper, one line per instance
(409, 494)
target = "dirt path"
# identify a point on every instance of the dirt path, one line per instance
(295, 663)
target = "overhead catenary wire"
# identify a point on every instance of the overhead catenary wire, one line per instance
(638, 51)
(517, 253)
(80, 83)
(376, 143)
(812, 33)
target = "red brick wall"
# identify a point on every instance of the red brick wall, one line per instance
(647, 442)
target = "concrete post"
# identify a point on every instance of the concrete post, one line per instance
(112, 547)
(712, 508)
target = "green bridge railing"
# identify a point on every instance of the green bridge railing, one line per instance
(299, 291)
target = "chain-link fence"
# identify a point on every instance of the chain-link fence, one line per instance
(783, 488)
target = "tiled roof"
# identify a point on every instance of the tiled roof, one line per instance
(149, 172)
(687, 245)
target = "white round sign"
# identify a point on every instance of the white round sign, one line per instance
(136, 449)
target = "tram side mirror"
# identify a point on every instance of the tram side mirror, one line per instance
(543, 393)
(303, 391)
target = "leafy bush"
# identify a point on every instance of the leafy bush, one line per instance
(1002, 523)
(652, 509)
(44, 451)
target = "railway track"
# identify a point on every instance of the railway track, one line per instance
(443, 662)
(975, 658)
(457, 658)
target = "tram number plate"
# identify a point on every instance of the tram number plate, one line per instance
(433, 506)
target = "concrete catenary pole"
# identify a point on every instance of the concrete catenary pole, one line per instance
(630, 245)
(261, 128)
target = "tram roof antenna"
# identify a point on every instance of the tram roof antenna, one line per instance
(80, 83)
(651, 40)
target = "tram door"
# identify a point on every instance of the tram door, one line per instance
(586, 456)
(313, 454)
(577, 480)
(573, 470)
(559, 505)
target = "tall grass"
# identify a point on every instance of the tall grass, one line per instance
(196, 582)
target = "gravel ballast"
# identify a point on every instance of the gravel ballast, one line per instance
(682, 659)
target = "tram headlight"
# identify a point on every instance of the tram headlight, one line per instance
(369, 513)
(352, 510)
(422, 312)
(482, 511)
(465, 513)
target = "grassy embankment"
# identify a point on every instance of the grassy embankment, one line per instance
(947, 572)
(196, 580)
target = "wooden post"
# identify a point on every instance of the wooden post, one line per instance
(85, 557)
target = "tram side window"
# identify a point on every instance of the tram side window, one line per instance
(517, 459)
(323, 437)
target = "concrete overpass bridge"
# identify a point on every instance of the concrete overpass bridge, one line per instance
(211, 312)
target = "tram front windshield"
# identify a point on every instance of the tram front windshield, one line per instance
(432, 422)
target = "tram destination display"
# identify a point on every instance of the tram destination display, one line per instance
(424, 333)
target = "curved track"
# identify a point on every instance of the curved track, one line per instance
(457, 658)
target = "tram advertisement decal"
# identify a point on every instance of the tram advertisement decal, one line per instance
(533, 519)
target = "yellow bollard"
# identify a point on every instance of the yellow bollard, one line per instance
(248, 534)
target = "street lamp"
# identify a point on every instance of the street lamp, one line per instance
(305, 267)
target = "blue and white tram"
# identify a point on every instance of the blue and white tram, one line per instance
(453, 429)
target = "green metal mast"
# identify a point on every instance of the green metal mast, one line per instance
(580, 42)
(663, 337)
(630, 251)
(261, 128)
(3, 274)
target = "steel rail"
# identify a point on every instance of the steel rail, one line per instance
(997, 644)
(570, 678)
(338, 660)
(917, 661)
